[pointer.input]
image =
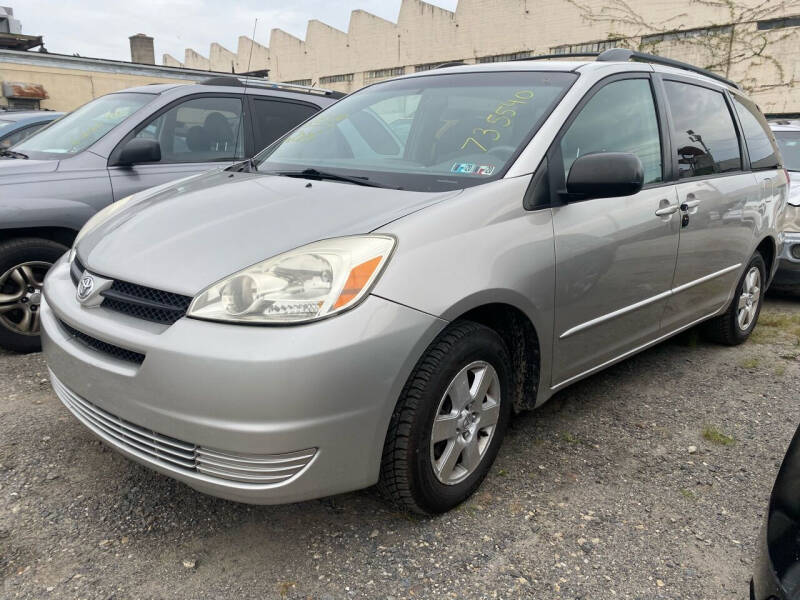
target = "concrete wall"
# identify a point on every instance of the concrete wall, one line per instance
(766, 62)
(72, 81)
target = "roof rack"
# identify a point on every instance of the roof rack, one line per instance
(452, 63)
(234, 81)
(624, 55)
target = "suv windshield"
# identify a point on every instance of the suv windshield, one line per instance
(428, 133)
(83, 127)
(789, 143)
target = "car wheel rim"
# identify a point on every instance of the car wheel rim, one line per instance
(21, 297)
(465, 422)
(747, 307)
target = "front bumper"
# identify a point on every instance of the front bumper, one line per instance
(316, 398)
(787, 276)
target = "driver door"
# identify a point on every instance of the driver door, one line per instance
(196, 134)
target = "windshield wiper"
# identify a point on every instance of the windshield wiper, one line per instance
(12, 153)
(317, 174)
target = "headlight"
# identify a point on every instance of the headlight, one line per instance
(304, 284)
(99, 217)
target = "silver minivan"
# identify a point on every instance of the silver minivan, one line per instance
(373, 297)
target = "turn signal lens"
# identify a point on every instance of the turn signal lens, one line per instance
(358, 278)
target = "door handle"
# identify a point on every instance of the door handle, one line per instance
(690, 204)
(667, 210)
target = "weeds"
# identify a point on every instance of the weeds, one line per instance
(715, 436)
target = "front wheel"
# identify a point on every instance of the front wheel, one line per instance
(450, 421)
(23, 265)
(736, 324)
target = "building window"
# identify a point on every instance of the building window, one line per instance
(299, 82)
(381, 73)
(427, 66)
(25, 103)
(345, 77)
(686, 34)
(779, 23)
(505, 57)
(599, 46)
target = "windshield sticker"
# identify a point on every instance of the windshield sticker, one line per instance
(485, 170)
(462, 168)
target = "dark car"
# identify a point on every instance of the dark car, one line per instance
(112, 147)
(777, 574)
(16, 126)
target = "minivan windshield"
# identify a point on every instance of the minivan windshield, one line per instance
(81, 128)
(789, 143)
(429, 133)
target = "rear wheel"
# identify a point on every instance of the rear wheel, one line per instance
(450, 421)
(736, 324)
(23, 265)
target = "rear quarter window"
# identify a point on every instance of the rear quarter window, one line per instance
(703, 132)
(760, 148)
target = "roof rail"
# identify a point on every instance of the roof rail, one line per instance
(256, 82)
(564, 55)
(624, 54)
(452, 63)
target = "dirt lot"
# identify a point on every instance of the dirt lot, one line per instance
(597, 495)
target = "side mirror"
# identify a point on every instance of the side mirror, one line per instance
(605, 175)
(139, 150)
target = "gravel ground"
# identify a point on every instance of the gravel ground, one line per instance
(649, 480)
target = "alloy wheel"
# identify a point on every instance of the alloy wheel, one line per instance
(747, 307)
(21, 297)
(465, 422)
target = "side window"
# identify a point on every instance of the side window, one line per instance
(621, 117)
(273, 118)
(199, 130)
(22, 134)
(754, 127)
(705, 138)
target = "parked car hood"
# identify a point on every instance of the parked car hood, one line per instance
(197, 231)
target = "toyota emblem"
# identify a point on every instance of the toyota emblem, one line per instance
(85, 287)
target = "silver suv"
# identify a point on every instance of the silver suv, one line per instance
(394, 278)
(787, 279)
(115, 145)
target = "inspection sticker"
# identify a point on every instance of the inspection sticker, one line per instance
(463, 168)
(485, 170)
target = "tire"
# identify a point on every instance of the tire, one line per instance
(727, 328)
(471, 354)
(23, 264)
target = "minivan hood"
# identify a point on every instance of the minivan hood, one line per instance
(21, 166)
(194, 233)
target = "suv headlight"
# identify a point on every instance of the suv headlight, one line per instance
(305, 284)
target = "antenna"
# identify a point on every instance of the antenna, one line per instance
(244, 93)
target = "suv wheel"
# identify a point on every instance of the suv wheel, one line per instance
(23, 265)
(450, 421)
(736, 324)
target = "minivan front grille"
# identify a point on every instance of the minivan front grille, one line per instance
(76, 270)
(145, 303)
(138, 301)
(159, 449)
(104, 347)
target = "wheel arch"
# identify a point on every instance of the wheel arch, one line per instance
(523, 344)
(768, 248)
(62, 235)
